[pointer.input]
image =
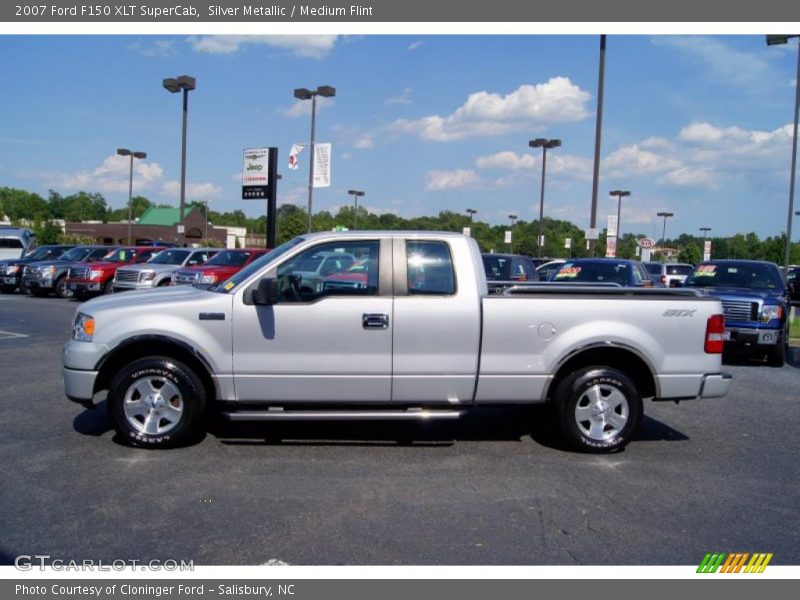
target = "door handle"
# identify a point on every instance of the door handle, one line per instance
(375, 321)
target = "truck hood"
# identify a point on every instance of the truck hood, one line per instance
(150, 267)
(151, 299)
(101, 264)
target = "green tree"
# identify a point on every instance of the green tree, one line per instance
(20, 204)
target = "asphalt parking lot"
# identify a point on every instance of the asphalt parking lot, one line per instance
(713, 475)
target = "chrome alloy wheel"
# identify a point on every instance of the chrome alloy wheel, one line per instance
(153, 405)
(602, 412)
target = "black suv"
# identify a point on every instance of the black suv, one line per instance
(11, 270)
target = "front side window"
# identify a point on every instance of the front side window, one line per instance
(430, 268)
(332, 269)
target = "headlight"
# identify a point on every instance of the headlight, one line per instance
(47, 271)
(208, 279)
(771, 312)
(83, 328)
(11, 269)
(95, 274)
(147, 275)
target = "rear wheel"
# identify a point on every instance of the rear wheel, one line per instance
(39, 293)
(598, 409)
(7, 289)
(157, 402)
(777, 356)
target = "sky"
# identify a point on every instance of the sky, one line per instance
(700, 126)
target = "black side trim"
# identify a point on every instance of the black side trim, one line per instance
(204, 316)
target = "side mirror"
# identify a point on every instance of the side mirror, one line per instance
(266, 294)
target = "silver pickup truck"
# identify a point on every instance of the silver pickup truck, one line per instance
(409, 331)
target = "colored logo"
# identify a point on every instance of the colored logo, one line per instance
(734, 563)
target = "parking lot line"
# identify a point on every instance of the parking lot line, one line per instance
(7, 335)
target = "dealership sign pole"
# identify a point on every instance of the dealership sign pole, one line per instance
(260, 182)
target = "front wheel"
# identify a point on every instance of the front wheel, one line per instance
(157, 402)
(62, 289)
(598, 409)
(7, 289)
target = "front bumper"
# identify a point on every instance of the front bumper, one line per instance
(744, 338)
(85, 287)
(79, 385)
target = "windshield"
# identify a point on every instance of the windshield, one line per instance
(229, 258)
(680, 270)
(256, 265)
(75, 255)
(608, 272)
(44, 252)
(10, 243)
(169, 257)
(753, 276)
(120, 255)
(496, 267)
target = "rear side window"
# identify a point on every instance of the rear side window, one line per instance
(655, 268)
(430, 268)
(680, 270)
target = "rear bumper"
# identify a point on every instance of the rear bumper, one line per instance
(716, 385)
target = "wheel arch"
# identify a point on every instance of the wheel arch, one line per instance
(616, 356)
(155, 345)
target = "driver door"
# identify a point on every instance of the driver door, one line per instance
(329, 337)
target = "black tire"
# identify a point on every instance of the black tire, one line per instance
(81, 296)
(777, 357)
(39, 293)
(172, 421)
(108, 288)
(7, 289)
(610, 403)
(62, 289)
(22, 287)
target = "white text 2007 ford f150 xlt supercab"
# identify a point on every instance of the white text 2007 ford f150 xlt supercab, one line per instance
(402, 327)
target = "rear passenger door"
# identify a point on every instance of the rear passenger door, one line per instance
(436, 324)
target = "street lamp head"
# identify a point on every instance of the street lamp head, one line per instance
(471, 211)
(171, 85)
(123, 152)
(303, 94)
(776, 40)
(355, 192)
(512, 217)
(665, 214)
(621, 193)
(187, 83)
(537, 143)
(326, 91)
(553, 143)
(140, 154)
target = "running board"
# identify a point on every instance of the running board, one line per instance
(341, 415)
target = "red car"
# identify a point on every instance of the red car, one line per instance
(90, 279)
(223, 265)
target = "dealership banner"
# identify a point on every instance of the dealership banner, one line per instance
(382, 11)
(322, 165)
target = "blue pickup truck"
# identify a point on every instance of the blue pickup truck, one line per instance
(755, 303)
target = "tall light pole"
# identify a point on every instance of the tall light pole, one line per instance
(126, 152)
(598, 131)
(666, 215)
(355, 194)
(705, 231)
(513, 219)
(470, 212)
(205, 235)
(620, 194)
(773, 40)
(544, 144)
(187, 84)
(325, 91)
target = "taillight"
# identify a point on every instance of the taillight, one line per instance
(715, 334)
(664, 279)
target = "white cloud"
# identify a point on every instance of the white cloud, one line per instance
(449, 180)
(112, 176)
(415, 45)
(155, 49)
(633, 160)
(487, 114)
(306, 46)
(302, 108)
(506, 160)
(193, 190)
(403, 98)
(364, 143)
(691, 177)
(575, 167)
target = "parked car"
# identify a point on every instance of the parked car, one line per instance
(624, 272)
(793, 284)
(668, 274)
(90, 279)
(754, 299)
(42, 278)
(505, 270)
(16, 242)
(11, 270)
(217, 269)
(159, 269)
(427, 342)
(546, 271)
(314, 270)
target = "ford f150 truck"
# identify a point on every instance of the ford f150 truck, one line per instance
(90, 279)
(218, 268)
(158, 270)
(755, 303)
(423, 339)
